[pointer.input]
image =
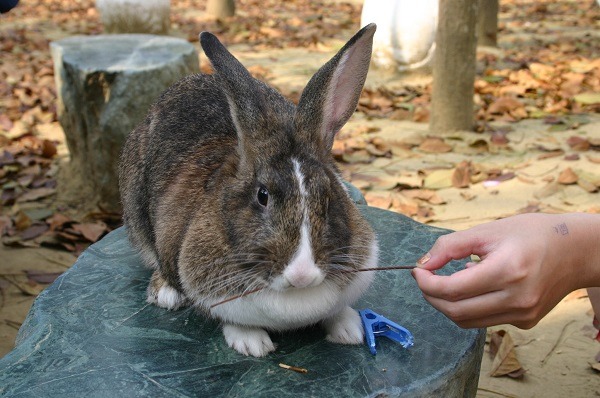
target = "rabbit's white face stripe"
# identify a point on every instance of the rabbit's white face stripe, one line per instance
(302, 270)
(300, 179)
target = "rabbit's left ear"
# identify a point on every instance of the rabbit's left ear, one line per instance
(331, 96)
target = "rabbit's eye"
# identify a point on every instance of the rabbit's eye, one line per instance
(262, 196)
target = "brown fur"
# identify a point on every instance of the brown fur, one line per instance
(190, 173)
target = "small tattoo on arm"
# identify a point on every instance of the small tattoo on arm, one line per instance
(561, 229)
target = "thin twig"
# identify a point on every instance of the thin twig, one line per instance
(539, 174)
(496, 392)
(53, 261)
(237, 297)
(16, 325)
(380, 268)
(556, 343)
(294, 368)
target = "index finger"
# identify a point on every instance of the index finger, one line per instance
(463, 284)
(453, 246)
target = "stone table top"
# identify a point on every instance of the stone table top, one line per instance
(123, 52)
(91, 333)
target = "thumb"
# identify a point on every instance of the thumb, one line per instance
(454, 246)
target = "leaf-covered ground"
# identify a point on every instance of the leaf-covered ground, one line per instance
(534, 146)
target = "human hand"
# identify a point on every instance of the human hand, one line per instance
(528, 264)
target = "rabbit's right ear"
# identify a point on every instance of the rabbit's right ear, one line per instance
(243, 92)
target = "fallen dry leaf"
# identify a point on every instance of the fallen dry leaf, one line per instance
(504, 105)
(5, 224)
(578, 144)
(588, 98)
(461, 178)
(587, 185)
(22, 221)
(427, 195)
(405, 205)
(572, 157)
(57, 221)
(438, 179)
(360, 156)
(35, 194)
(91, 231)
(504, 362)
(42, 276)
(380, 199)
(567, 177)
(35, 230)
(467, 195)
(421, 115)
(593, 159)
(548, 190)
(551, 154)
(499, 138)
(532, 207)
(435, 145)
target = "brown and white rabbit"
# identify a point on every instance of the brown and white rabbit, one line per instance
(228, 187)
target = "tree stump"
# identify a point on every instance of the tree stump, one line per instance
(105, 85)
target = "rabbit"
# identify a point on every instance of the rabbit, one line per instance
(228, 187)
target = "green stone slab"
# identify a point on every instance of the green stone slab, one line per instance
(91, 334)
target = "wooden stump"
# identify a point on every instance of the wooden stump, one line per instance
(105, 85)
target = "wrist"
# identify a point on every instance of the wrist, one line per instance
(575, 244)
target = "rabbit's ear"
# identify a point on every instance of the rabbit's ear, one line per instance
(244, 94)
(332, 94)
(231, 71)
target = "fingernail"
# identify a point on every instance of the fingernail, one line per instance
(423, 259)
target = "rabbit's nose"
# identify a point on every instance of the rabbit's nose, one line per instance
(302, 270)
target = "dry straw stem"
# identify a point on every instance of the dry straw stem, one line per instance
(294, 368)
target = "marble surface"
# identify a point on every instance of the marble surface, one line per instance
(91, 333)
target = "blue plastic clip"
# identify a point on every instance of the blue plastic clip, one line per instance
(378, 325)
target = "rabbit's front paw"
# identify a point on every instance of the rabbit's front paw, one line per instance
(163, 295)
(345, 327)
(248, 340)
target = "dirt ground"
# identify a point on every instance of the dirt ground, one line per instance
(557, 353)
